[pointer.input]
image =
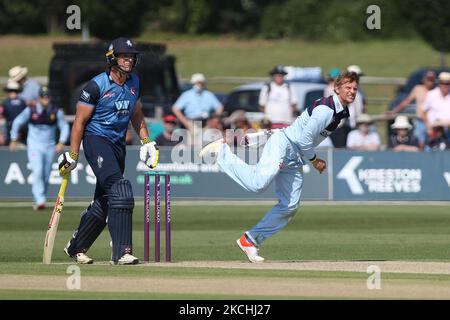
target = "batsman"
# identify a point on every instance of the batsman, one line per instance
(106, 105)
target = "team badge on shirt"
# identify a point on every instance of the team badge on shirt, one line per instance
(100, 161)
(85, 95)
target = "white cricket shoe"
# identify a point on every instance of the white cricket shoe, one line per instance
(249, 249)
(211, 148)
(80, 258)
(126, 259)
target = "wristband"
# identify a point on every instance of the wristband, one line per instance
(145, 140)
(74, 155)
(314, 159)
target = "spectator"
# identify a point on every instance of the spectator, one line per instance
(196, 103)
(437, 103)
(418, 94)
(277, 100)
(363, 138)
(11, 107)
(43, 120)
(165, 139)
(436, 139)
(402, 139)
(213, 129)
(239, 124)
(265, 124)
(331, 77)
(30, 88)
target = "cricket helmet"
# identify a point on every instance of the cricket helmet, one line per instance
(118, 46)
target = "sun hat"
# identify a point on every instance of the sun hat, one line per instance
(198, 77)
(401, 122)
(17, 73)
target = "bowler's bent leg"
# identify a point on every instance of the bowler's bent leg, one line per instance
(255, 178)
(288, 190)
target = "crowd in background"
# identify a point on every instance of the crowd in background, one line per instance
(198, 108)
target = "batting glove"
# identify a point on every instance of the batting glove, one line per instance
(149, 153)
(67, 161)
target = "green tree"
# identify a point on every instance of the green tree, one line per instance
(336, 20)
(21, 16)
(111, 19)
(431, 20)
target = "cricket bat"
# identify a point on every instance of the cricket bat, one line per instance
(54, 221)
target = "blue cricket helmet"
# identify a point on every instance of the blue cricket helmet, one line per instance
(118, 46)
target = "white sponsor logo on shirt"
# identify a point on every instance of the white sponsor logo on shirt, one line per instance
(85, 95)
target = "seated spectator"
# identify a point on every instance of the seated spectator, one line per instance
(437, 103)
(437, 140)
(265, 124)
(11, 107)
(417, 94)
(30, 88)
(165, 139)
(402, 139)
(213, 130)
(363, 138)
(240, 127)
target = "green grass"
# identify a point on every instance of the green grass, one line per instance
(228, 56)
(347, 232)
(72, 295)
(208, 233)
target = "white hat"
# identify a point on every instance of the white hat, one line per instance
(17, 73)
(444, 77)
(12, 85)
(401, 122)
(198, 77)
(364, 118)
(354, 68)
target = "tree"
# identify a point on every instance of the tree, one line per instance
(431, 20)
(21, 16)
(111, 19)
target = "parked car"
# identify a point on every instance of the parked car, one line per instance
(246, 97)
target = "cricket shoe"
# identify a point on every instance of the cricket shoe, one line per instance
(211, 148)
(249, 249)
(80, 257)
(126, 259)
(39, 207)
